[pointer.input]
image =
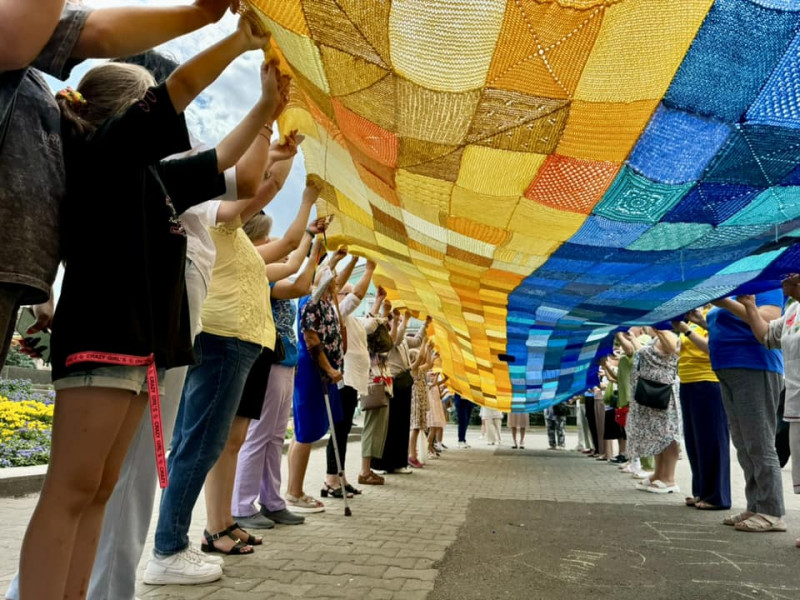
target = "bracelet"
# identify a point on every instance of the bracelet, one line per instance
(311, 233)
(688, 333)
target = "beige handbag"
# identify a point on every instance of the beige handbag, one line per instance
(377, 397)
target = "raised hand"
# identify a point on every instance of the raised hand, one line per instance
(313, 189)
(252, 39)
(746, 300)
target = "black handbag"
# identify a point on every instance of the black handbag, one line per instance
(653, 394)
(403, 380)
(280, 349)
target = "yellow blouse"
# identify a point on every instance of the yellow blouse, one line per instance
(238, 301)
(694, 364)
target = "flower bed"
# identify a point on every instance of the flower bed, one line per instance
(26, 421)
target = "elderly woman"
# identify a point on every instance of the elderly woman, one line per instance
(356, 372)
(783, 333)
(751, 378)
(654, 413)
(319, 370)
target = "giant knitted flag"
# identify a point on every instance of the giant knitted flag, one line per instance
(534, 173)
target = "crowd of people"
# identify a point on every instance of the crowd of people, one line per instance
(178, 296)
(726, 373)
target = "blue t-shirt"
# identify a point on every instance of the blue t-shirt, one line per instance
(731, 342)
(284, 313)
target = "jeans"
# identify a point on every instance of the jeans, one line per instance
(258, 470)
(555, 431)
(208, 405)
(463, 413)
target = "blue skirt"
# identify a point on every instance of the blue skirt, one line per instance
(308, 406)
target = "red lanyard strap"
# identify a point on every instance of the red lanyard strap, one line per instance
(124, 360)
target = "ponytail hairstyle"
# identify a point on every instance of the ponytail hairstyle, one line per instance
(258, 227)
(104, 92)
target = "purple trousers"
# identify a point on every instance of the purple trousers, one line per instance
(258, 471)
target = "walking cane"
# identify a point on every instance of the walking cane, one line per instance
(339, 466)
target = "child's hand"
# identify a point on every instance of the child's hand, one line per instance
(251, 39)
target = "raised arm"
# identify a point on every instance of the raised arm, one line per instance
(769, 312)
(379, 298)
(625, 343)
(753, 317)
(25, 29)
(422, 332)
(362, 286)
(196, 74)
(700, 341)
(346, 273)
(281, 270)
(274, 251)
(234, 145)
(669, 340)
(301, 286)
(127, 30)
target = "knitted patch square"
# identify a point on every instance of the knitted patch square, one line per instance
(636, 199)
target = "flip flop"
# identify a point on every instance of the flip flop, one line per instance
(759, 523)
(691, 500)
(701, 505)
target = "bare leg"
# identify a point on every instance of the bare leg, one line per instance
(669, 461)
(522, 436)
(623, 447)
(514, 435)
(219, 484)
(92, 429)
(298, 463)
(365, 466)
(432, 439)
(412, 444)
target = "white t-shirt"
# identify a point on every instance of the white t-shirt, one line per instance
(196, 220)
(356, 359)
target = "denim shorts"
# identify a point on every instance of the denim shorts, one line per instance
(133, 379)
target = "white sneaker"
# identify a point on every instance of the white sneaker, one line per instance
(183, 568)
(432, 456)
(211, 559)
(463, 445)
(403, 471)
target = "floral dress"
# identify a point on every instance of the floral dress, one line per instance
(650, 430)
(419, 400)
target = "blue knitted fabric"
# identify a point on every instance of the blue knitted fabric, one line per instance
(677, 146)
(736, 49)
(711, 203)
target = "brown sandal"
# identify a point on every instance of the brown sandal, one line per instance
(371, 479)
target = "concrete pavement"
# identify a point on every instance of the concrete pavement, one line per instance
(396, 542)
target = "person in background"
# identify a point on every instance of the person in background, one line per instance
(783, 333)
(612, 430)
(376, 421)
(436, 414)
(356, 371)
(258, 469)
(658, 430)
(518, 421)
(493, 419)
(640, 467)
(584, 445)
(556, 419)
(395, 450)
(463, 414)
(422, 363)
(591, 419)
(705, 426)
(750, 378)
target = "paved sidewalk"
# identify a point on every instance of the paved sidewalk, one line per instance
(390, 547)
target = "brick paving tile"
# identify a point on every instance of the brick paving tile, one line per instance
(390, 547)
